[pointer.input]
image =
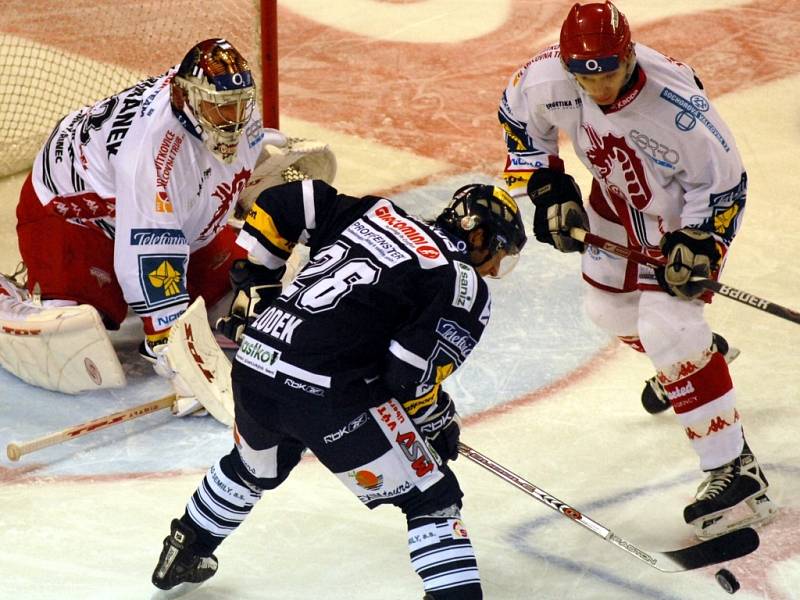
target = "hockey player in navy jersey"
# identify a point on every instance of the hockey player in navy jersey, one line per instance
(348, 361)
(668, 181)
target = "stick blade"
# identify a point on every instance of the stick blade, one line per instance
(734, 544)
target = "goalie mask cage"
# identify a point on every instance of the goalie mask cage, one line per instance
(58, 55)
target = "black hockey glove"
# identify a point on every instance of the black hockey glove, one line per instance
(689, 253)
(254, 288)
(558, 207)
(443, 428)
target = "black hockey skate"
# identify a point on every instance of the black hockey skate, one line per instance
(738, 484)
(179, 569)
(654, 397)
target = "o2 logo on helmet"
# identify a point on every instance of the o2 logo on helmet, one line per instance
(592, 65)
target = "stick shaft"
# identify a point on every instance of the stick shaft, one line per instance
(17, 450)
(518, 482)
(733, 544)
(740, 296)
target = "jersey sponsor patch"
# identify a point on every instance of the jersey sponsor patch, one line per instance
(409, 233)
(466, 286)
(157, 237)
(162, 280)
(258, 356)
(165, 158)
(254, 133)
(408, 463)
(456, 336)
(692, 111)
(378, 244)
(524, 162)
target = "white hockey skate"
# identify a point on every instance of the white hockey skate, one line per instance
(654, 397)
(731, 497)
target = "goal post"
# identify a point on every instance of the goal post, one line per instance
(59, 55)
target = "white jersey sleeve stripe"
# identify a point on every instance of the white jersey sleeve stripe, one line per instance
(407, 356)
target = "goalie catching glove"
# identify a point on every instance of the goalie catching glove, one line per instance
(254, 288)
(442, 427)
(285, 159)
(690, 253)
(558, 207)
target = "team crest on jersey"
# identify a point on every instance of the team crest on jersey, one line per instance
(162, 279)
(610, 153)
(225, 194)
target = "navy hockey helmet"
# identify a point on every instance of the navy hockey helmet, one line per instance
(491, 208)
(595, 38)
(218, 95)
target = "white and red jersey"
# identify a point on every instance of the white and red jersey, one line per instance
(127, 166)
(661, 154)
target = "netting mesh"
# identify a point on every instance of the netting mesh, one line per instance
(58, 55)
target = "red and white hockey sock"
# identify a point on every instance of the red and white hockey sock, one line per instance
(703, 398)
(633, 341)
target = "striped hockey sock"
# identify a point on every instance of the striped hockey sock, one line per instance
(220, 504)
(442, 556)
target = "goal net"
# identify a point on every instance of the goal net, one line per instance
(58, 55)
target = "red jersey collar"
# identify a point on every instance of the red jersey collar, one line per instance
(630, 93)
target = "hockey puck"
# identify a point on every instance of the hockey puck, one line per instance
(727, 581)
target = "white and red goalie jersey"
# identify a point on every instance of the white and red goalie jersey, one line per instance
(661, 155)
(127, 167)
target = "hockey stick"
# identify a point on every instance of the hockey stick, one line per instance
(717, 287)
(734, 544)
(16, 450)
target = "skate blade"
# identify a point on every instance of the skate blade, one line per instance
(732, 354)
(179, 591)
(757, 510)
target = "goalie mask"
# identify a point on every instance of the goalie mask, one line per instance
(492, 210)
(218, 95)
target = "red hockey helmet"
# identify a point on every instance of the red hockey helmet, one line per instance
(594, 39)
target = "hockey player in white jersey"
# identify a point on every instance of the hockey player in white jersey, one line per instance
(127, 208)
(668, 181)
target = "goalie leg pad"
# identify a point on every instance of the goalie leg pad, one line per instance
(64, 349)
(196, 357)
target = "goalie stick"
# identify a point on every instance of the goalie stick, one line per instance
(719, 288)
(16, 450)
(734, 544)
